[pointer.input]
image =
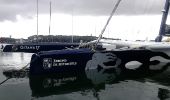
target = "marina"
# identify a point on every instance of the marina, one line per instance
(100, 69)
(91, 55)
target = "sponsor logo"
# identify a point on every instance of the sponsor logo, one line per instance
(63, 62)
(47, 63)
(48, 83)
(14, 48)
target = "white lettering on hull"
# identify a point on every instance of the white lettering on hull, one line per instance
(29, 47)
(49, 63)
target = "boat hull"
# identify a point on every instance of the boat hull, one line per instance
(65, 61)
(34, 48)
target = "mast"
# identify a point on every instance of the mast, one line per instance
(50, 20)
(37, 20)
(163, 22)
(72, 19)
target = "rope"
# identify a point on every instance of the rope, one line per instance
(94, 44)
(22, 69)
(5, 81)
(111, 15)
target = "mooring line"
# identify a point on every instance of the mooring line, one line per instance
(5, 81)
(23, 68)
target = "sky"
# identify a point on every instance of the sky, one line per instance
(134, 19)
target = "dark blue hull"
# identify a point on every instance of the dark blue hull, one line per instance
(59, 61)
(34, 48)
(79, 60)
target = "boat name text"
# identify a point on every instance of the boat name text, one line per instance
(30, 47)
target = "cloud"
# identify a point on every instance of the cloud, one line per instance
(9, 9)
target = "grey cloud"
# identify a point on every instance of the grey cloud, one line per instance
(10, 8)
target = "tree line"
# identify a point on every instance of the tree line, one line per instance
(60, 38)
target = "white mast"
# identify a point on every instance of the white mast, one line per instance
(37, 20)
(50, 20)
(72, 39)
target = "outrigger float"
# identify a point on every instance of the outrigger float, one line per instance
(90, 55)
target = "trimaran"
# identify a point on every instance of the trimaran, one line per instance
(93, 64)
(139, 55)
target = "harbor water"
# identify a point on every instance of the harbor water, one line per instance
(90, 85)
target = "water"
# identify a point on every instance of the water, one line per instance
(90, 85)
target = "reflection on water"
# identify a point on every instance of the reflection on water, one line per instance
(92, 80)
(94, 84)
(14, 59)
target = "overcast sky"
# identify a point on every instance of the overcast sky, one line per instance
(10, 8)
(17, 13)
